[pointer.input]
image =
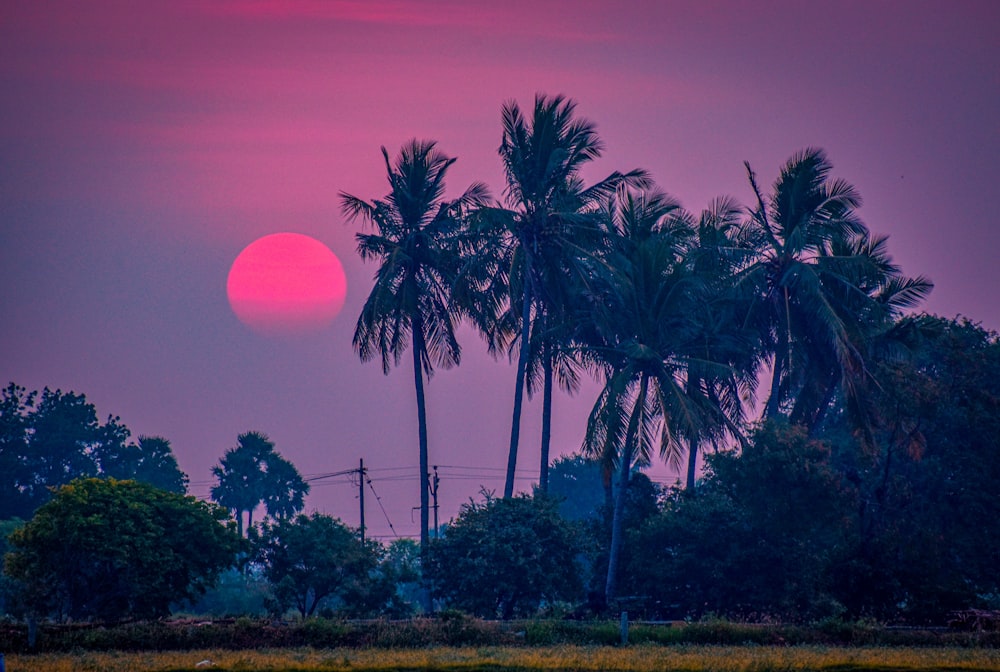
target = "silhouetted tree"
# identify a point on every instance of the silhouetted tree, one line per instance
(310, 559)
(551, 229)
(253, 473)
(418, 240)
(505, 557)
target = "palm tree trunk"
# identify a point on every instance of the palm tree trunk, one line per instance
(621, 497)
(773, 397)
(543, 476)
(418, 381)
(522, 363)
(692, 463)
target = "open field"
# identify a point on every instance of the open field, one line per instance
(642, 658)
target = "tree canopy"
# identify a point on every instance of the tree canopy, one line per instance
(254, 473)
(106, 549)
(47, 439)
(506, 557)
(314, 560)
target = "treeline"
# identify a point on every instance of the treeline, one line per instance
(684, 319)
(794, 526)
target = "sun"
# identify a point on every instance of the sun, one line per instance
(286, 284)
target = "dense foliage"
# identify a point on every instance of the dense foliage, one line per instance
(506, 557)
(108, 549)
(48, 439)
(798, 527)
(315, 560)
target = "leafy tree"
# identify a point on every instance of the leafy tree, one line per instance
(400, 569)
(506, 557)
(15, 404)
(49, 439)
(8, 587)
(927, 530)
(62, 432)
(419, 242)
(252, 473)
(311, 560)
(110, 549)
(763, 536)
(575, 482)
(551, 229)
(151, 460)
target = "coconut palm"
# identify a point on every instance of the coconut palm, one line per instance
(551, 227)
(825, 289)
(873, 298)
(796, 311)
(644, 337)
(418, 240)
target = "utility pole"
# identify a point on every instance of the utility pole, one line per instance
(434, 493)
(361, 496)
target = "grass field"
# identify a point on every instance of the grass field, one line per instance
(642, 658)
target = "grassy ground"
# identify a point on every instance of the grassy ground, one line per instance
(641, 658)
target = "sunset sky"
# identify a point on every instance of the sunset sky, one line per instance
(143, 145)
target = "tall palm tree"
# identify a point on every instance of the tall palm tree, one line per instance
(418, 239)
(796, 311)
(643, 340)
(550, 228)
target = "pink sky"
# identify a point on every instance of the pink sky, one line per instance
(143, 145)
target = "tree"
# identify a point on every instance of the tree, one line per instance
(62, 432)
(285, 491)
(419, 242)
(49, 439)
(506, 557)
(107, 549)
(926, 525)
(643, 339)
(820, 281)
(575, 483)
(719, 250)
(15, 404)
(764, 535)
(312, 559)
(252, 473)
(551, 228)
(151, 460)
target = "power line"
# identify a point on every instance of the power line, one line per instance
(384, 513)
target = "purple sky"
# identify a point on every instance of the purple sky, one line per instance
(143, 145)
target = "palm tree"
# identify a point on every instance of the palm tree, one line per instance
(796, 310)
(643, 340)
(719, 251)
(419, 242)
(873, 300)
(826, 290)
(286, 490)
(550, 228)
(241, 476)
